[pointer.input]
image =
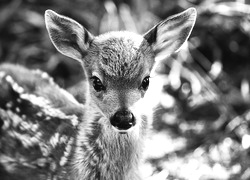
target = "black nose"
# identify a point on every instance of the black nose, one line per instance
(123, 120)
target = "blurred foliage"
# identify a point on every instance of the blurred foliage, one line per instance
(201, 131)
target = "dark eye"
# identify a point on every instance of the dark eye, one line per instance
(145, 83)
(97, 84)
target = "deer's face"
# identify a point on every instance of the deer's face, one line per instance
(119, 63)
(119, 66)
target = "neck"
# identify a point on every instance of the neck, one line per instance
(102, 153)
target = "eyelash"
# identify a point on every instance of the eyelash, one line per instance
(97, 84)
(145, 83)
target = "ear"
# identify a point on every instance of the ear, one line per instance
(169, 35)
(68, 36)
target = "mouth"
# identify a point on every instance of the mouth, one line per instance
(122, 131)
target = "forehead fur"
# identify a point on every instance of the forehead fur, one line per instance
(123, 54)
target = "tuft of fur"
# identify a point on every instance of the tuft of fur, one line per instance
(103, 154)
(122, 54)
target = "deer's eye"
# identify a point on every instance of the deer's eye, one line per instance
(145, 83)
(97, 84)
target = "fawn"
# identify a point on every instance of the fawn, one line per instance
(112, 121)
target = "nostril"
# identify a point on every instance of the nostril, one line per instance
(123, 115)
(123, 120)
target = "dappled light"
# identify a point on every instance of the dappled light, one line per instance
(200, 95)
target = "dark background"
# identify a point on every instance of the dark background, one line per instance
(202, 122)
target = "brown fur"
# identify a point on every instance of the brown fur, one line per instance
(102, 152)
(121, 54)
(121, 61)
(83, 141)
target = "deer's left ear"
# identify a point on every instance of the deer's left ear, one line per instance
(68, 36)
(169, 35)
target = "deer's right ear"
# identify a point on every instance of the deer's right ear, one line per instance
(169, 35)
(68, 36)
